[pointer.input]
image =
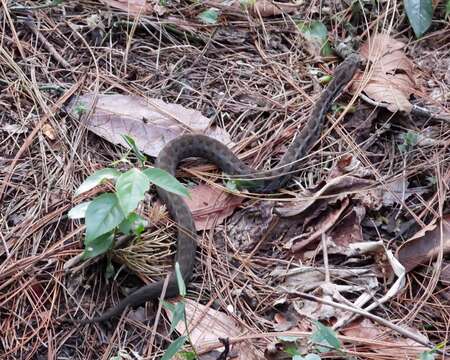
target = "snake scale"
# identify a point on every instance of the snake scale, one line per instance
(193, 145)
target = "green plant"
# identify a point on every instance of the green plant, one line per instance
(114, 212)
(316, 31)
(179, 314)
(323, 339)
(410, 139)
(431, 354)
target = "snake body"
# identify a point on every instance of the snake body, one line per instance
(187, 146)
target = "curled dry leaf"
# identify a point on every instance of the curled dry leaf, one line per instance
(210, 205)
(308, 278)
(324, 224)
(207, 325)
(425, 245)
(349, 229)
(391, 78)
(383, 341)
(334, 189)
(151, 122)
(132, 7)
(48, 131)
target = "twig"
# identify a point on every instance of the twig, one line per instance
(415, 110)
(378, 319)
(30, 24)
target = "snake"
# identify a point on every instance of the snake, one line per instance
(202, 146)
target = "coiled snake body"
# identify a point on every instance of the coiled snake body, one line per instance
(263, 182)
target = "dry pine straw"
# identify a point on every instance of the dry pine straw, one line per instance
(251, 77)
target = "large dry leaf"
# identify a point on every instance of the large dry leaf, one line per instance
(383, 341)
(132, 7)
(151, 122)
(210, 205)
(425, 245)
(323, 225)
(208, 326)
(392, 78)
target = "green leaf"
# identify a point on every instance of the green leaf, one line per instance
(133, 223)
(325, 336)
(209, 16)
(180, 280)
(420, 14)
(291, 349)
(132, 144)
(174, 348)
(79, 211)
(247, 3)
(131, 187)
(97, 178)
(177, 315)
(165, 181)
(447, 9)
(188, 355)
(427, 355)
(169, 306)
(98, 245)
(311, 357)
(102, 215)
(316, 31)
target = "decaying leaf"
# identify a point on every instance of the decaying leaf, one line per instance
(324, 224)
(151, 122)
(48, 131)
(247, 227)
(257, 7)
(210, 205)
(384, 341)
(308, 278)
(392, 79)
(208, 325)
(13, 128)
(335, 189)
(425, 245)
(132, 7)
(348, 230)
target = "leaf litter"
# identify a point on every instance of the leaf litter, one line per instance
(252, 78)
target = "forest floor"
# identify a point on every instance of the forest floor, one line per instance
(349, 260)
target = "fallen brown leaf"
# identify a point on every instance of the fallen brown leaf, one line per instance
(207, 325)
(425, 245)
(392, 78)
(132, 7)
(335, 189)
(349, 229)
(210, 205)
(262, 8)
(48, 131)
(320, 228)
(151, 122)
(384, 342)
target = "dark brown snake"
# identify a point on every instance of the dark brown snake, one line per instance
(187, 146)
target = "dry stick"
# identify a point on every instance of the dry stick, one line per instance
(376, 318)
(30, 24)
(415, 110)
(30, 137)
(158, 314)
